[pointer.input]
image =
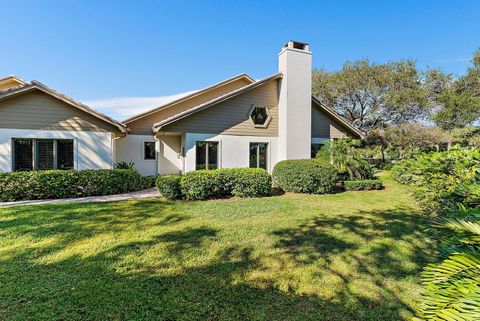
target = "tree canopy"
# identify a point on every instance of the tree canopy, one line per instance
(374, 96)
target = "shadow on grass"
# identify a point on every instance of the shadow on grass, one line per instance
(116, 284)
(378, 246)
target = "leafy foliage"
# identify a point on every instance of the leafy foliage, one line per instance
(242, 182)
(459, 104)
(411, 139)
(125, 165)
(362, 185)
(347, 159)
(443, 180)
(373, 95)
(169, 186)
(305, 176)
(18, 186)
(452, 287)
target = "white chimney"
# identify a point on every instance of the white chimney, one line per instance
(295, 102)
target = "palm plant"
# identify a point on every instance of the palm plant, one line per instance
(452, 287)
(347, 160)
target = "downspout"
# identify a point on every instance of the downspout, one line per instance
(157, 143)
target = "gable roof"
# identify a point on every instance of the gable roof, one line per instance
(11, 79)
(343, 121)
(190, 96)
(35, 85)
(217, 100)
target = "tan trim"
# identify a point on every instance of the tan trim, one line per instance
(159, 125)
(190, 96)
(19, 80)
(338, 117)
(35, 85)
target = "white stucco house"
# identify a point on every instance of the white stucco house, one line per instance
(238, 122)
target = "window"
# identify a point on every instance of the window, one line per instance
(258, 155)
(42, 154)
(64, 154)
(206, 155)
(260, 116)
(23, 154)
(314, 149)
(149, 152)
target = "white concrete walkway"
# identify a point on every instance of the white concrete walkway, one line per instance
(148, 193)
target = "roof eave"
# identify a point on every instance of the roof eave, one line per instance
(157, 126)
(35, 85)
(184, 98)
(338, 117)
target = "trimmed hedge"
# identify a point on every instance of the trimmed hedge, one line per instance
(305, 176)
(242, 182)
(17, 186)
(362, 185)
(248, 182)
(169, 186)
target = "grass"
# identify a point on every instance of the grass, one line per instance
(349, 256)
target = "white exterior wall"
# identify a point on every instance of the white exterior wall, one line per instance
(130, 149)
(92, 150)
(234, 150)
(170, 160)
(295, 103)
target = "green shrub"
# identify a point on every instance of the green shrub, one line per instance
(18, 186)
(305, 176)
(441, 181)
(362, 185)
(169, 186)
(242, 182)
(149, 181)
(248, 182)
(202, 184)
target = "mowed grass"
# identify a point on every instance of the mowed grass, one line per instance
(349, 256)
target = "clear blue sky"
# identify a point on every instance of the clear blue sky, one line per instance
(93, 50)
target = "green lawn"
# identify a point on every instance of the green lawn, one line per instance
(349, 256)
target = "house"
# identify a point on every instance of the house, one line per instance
(239, 122)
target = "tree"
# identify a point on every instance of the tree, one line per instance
(408, 138)
(374, 95)
(459, 104)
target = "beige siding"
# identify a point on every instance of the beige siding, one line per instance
(232, 116)
(323, 126)
(37, 110)
(143, 126)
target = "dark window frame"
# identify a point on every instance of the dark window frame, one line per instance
(257, 150)
(207, 154)
(145, 151)
(35, 154)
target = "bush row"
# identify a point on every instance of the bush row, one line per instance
(441, 181)
(363, 185)
(305, 176)
(205, 184)
(17, 186)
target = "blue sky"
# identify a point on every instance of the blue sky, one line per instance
(140, 51)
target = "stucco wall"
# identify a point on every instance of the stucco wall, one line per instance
(234, 150)
(130, 149)
(170, 160)
(92, 150)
